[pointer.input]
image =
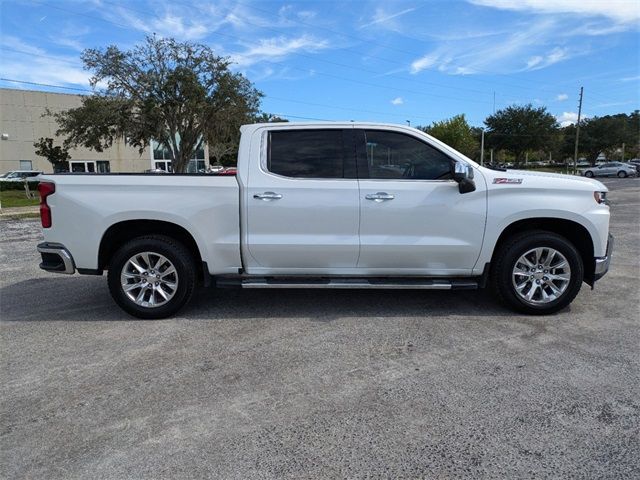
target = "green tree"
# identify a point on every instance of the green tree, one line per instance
(178, 94)
(456, 133)
(224, 148)
(604, 135)
(519, 129)
(58, 156)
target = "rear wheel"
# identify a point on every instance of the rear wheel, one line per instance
(622, 174)
(537, 272)
(588, 173)
(152, 277)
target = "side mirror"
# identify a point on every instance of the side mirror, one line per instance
(463, 174)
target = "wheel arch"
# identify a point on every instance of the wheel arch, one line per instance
(573, 231)
(126, 230)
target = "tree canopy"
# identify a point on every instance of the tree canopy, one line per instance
(456, 133)
(519, 129)
(58, 155)
(179, 94)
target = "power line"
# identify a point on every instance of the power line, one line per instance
(45, 85)
(301, 102)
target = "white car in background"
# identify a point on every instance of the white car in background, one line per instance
(20, 175)
(611, 169)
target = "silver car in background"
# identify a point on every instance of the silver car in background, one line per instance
(611, 169)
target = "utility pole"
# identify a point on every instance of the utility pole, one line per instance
(575, 152)
(622, 152)
(408, 122)
(482, 148)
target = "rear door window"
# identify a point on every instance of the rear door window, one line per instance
(310, 153)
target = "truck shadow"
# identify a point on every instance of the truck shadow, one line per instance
(87, 299)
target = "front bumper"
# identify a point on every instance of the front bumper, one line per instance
(56, 258)
(602, 263)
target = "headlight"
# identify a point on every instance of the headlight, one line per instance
(601, 197)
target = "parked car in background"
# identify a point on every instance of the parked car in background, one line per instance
(20, 176)
(636, 163)
(611, 169)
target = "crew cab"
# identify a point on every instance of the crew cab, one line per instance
(330, 205)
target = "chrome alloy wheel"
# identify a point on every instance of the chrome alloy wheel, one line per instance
(541, 275)
(149, 279)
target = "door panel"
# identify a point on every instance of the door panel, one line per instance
(299, 224)
(428, 227)
(413, 219)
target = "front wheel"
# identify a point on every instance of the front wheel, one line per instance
(152, 276)
(537, 272)
(588, 174)
(622, 174)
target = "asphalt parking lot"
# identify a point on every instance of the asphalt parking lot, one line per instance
(308, 384)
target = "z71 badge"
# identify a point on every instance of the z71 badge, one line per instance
(507, 180)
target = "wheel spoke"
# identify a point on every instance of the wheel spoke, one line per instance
(553, 288)
(550, 256)
(532, 291)
(162, 293)
(564, 277)
(168, 271)
(145, 257)
(133, 286)
(136, 265)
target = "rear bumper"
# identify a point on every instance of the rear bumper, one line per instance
(602, 263)
(56, 258)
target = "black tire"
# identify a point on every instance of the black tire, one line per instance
(508, 254)
(622, 174)
(588, 174)
(176, 253)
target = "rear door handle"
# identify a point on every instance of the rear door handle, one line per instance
(268, 196)
(379, 197)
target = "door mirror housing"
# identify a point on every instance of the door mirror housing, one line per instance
(463, 175)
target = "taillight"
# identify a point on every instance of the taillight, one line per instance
(45, 190)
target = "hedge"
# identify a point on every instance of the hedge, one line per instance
(4, 186)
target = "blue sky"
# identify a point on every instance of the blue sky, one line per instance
(388, 61)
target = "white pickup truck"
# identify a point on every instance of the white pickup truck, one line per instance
(330, 205)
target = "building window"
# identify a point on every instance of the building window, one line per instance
(102, 166)
(26, 165)
(90, 166)
(161, 159)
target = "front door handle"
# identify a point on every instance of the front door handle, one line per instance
(379, 197)
(268, 196)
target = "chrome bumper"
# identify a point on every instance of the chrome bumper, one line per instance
(602, 263)
(56, 258)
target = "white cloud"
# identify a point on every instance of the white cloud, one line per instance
(533, 61)
(569, 118)
(397, 101)
(554, 56)
(383, 17)
(278, 48)
(620, 11)
(630, 79)
(561, 97)
(425, 62)
(501, 54)
(41, 66)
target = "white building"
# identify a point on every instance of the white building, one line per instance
(23, 122)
